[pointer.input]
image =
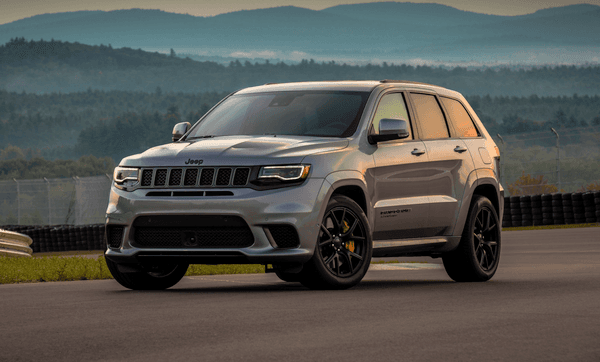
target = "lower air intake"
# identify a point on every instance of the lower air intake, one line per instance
(114, 236)
(284, 236)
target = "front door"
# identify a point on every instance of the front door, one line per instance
(398, 182)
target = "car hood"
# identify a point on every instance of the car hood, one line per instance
(235, 151)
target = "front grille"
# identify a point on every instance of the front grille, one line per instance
(161, 177)
(147, 178)
(175, 177)
(114, 236)
(206, 177)
(207, 237)
(223, 176)
(284, 236)
(195, 177)
(241, 176)
(192, 231)
(191, 174)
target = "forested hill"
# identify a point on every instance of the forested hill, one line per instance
(55, 66)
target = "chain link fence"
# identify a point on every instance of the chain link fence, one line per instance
(72, 201)
(562, 160)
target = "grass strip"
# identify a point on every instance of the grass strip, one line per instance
(548, 227)
(66, 268)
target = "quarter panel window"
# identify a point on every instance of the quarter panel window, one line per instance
(460, 119)
(431, 119)
(391, 106)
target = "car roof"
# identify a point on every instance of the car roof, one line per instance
(342, 85)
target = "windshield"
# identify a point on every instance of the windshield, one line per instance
(315, 113)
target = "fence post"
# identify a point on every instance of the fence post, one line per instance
(49, 204)
(557, 158)
(502, 159)
(18, 202)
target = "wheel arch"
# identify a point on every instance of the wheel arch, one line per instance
(350, 184)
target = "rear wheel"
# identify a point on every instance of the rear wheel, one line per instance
(149, 277)
(476, 257)
(344, 248)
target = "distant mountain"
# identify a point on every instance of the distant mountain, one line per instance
(387, 31)
(56, 66)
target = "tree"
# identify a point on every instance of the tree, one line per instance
(173, 53)
(531, 185)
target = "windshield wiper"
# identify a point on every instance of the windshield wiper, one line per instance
(198, 137)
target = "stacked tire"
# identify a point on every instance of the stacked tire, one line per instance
(567, 205)
(536, 210)
(526, 215)
(589, 207)
(578, 208)
(516, 215)
(62, 237)
(547, 217)
(506, 216)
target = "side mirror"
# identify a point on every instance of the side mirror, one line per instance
(390, 129)
(180, 129)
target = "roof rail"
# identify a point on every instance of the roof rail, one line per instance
(270, 83)
(402, 81)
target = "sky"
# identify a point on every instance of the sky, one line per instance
(18, 9)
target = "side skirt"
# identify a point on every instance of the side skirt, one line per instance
(430, 246)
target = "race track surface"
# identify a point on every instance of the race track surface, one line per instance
(542, 305)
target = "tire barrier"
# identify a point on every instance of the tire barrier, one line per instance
(552, 209)
(62, 237)
(14, 244)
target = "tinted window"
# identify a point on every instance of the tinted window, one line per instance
(463, 124)
(431, 119)
(391, 106)
(333, 114)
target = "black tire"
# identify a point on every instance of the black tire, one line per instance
(476, 259)
(288, 277)
(152, 278)
(343, 250)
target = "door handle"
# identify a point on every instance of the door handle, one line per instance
(460, 149)
(417, 152)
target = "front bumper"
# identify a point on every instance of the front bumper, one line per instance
(299, 206)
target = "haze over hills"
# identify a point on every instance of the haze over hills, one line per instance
(360, 32)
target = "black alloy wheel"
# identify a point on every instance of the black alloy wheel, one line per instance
(343, 249)
(342, 242)
(485, 239)
(477, 256)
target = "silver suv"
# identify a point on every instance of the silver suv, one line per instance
(312, 179)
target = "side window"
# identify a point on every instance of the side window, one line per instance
(459, 117)
(431, 119)
(391, 106)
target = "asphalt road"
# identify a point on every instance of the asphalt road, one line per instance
(542, 305)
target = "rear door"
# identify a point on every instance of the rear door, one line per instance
(449, 163)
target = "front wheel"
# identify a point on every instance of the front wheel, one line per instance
(344, 247)
(476, 257)
(149, 277)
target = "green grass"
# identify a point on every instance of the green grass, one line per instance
(66, 268)
(544, 227)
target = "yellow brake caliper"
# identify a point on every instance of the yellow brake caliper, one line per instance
(349, 244)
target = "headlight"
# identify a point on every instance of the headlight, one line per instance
(284, 173)
(270, 177)
(125, 177)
